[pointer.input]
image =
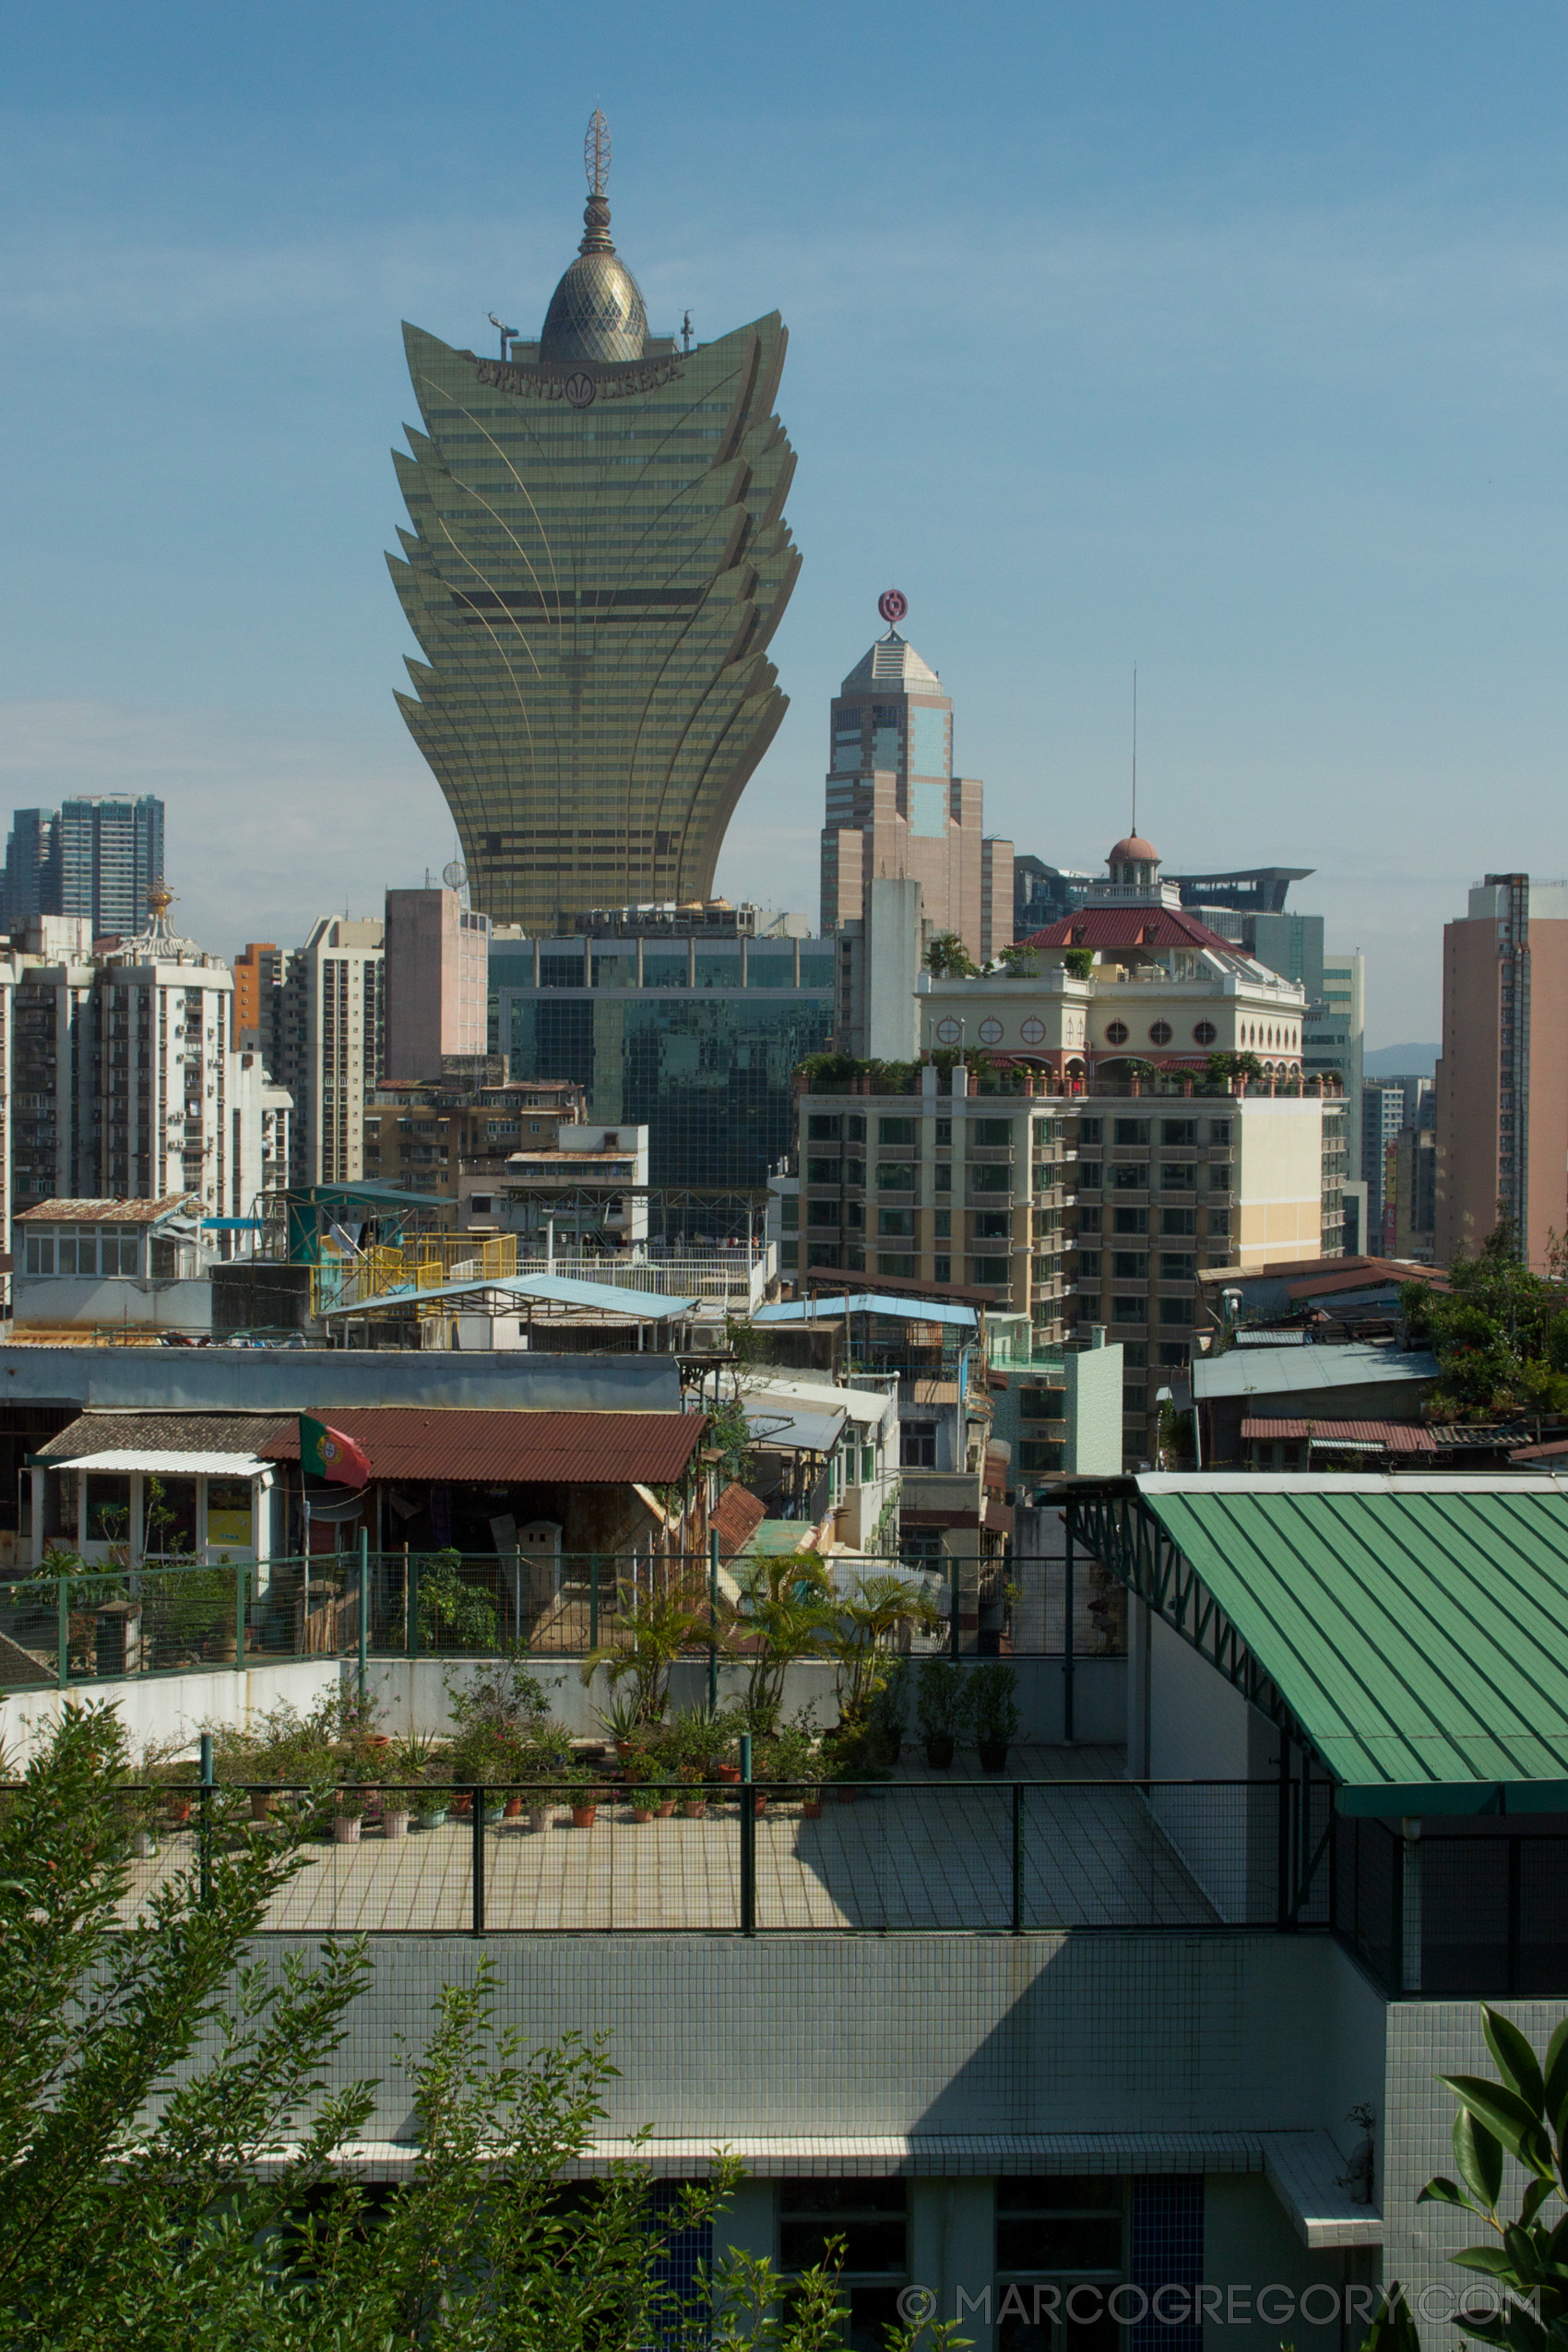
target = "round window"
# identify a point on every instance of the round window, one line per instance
(1205, 1033)
(1116, 1033)
(990, 1032)
(950, 1031)
(1159, 1033)
(1032, 1031)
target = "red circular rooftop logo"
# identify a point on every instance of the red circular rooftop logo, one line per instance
(893, 604)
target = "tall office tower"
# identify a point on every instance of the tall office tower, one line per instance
(438, 982)
(896, 812)
(111, 860)
(334, 1023)
(32, 883)
(1502, 1074)
(598, 560)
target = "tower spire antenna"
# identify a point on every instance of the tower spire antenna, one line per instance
(1135, 749)
(596, 152)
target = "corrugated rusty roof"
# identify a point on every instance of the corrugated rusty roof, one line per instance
(109, 1212)
(1400, 1437)
(737, 1515)
(512, 1448)
(161, 1434)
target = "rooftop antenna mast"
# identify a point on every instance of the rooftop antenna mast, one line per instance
(596, 152)
(506, 333)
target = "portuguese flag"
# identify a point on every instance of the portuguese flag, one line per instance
(328, 1454)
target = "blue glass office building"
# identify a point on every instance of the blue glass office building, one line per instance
(694, 1038)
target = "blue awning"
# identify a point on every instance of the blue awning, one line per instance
(870, 1302)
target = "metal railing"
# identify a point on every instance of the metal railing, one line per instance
(88, 1624)
(740, 1855)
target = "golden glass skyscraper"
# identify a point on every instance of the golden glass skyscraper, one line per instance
(597, 562)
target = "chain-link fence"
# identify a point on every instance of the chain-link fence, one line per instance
(89, 1626)
(593, 1853)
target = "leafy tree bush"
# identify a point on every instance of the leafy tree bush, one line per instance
(171, 2142)
(1524, 2115)
(1500, 1335)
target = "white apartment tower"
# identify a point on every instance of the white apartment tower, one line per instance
(334, 1039)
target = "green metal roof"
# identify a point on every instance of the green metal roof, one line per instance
(1418, 1632)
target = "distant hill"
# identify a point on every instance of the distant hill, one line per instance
(1401, 1062)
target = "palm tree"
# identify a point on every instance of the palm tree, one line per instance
(869, 1615)
(786, 1613)
(646, 1641)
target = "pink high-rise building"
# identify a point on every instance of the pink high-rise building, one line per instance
(896, 812)
(1502, 1078)
(437, 981)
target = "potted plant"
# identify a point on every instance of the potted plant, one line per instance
(942, 1709)
(888, 1709)
(637, 1776)
(995, 1712)
(624, 1724)
(587, 1796)
(789, 1765)
(693, 1804)
(349, 1812)
(661, 1794)
(542, 1760)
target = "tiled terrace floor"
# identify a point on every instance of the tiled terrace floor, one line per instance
(931, 1851)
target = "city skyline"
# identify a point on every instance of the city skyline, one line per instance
(1276, 422)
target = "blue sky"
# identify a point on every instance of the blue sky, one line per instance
(1226, 340)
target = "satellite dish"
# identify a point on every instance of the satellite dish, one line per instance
(454, 874)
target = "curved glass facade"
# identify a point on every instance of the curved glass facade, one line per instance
(597, 561)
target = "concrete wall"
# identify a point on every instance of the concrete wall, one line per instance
(414, 1695)
(114, 1302)
(1122, 2048)
(170, 1706)
(1094, 1412)
(291, 1380)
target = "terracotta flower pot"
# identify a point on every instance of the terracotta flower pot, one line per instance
(845, 1796)
(665, 1808)
(642, 1813)
(759, 1802)
(939, 1751)
(346, 1828)
(582, 1816)
(394, 1823)
(694, 1807)
(811, 1808)
(461, 1806)
(727, 1772)
(512, 1809)
(178, 1810)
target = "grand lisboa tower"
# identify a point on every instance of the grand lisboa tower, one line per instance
(596, 562)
